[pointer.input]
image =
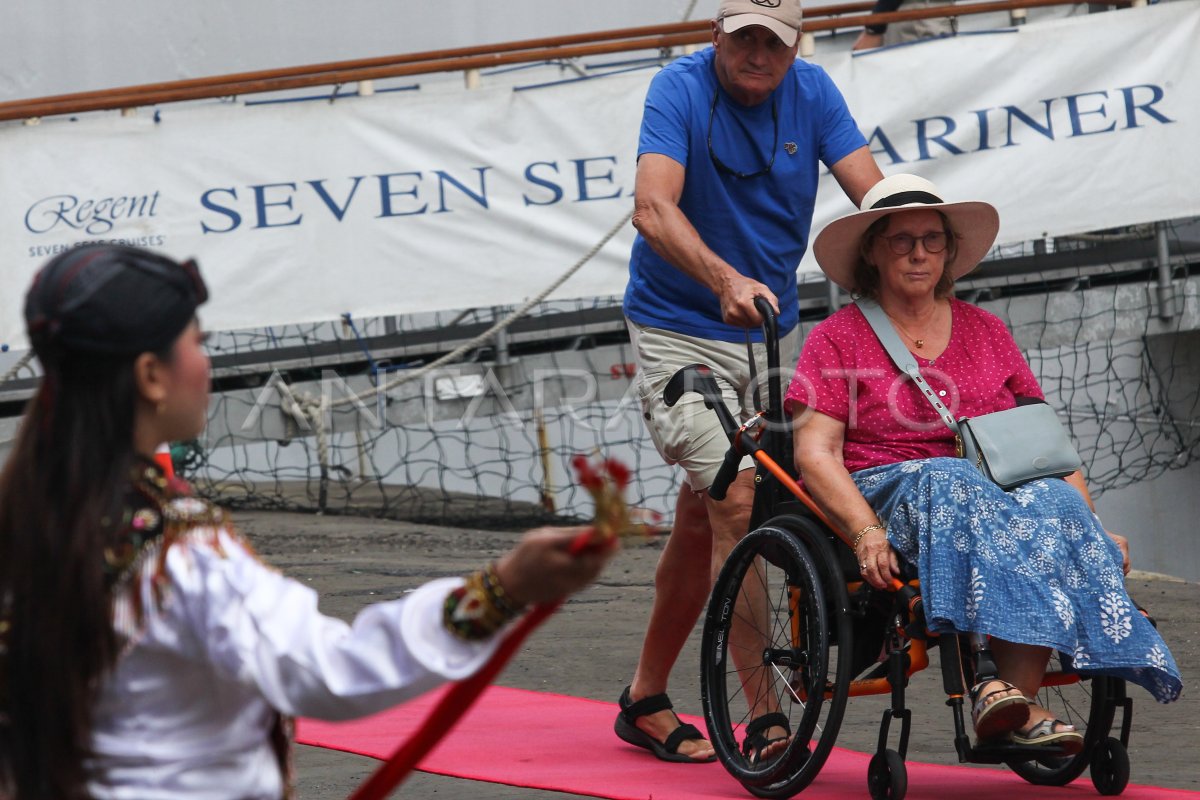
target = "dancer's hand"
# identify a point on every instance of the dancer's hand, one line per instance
(542, 568)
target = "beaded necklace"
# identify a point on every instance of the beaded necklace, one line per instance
(158, 512)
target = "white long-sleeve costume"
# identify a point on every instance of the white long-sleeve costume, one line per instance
(189, 709)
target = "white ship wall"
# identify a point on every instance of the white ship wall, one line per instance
(55, 46)
(61, 46)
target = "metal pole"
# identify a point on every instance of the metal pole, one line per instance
(502, 355)
(1166, 295)
(544, 453)
(835, 300)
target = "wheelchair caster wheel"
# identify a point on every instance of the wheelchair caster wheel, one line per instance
(887, 777)
(1110, 767)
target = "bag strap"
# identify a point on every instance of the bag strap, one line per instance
(904, 361)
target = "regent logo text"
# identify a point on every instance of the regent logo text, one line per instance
(95, 216)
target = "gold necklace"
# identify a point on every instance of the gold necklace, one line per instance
(918, 342)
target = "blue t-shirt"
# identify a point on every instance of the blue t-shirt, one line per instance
(760, 225)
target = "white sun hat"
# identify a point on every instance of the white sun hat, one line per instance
(837, 247)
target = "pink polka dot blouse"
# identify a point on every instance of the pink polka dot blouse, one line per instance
(844, 372)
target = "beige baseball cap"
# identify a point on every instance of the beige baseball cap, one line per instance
(781, 17)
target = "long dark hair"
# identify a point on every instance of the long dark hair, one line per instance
(90, 313)
(60, 492)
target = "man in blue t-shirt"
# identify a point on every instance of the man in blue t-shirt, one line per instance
(726, 183)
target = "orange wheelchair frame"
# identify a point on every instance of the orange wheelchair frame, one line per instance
(819, 635)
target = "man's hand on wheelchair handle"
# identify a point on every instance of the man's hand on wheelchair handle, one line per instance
(737, 295)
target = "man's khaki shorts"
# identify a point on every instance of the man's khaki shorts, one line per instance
(688, 434)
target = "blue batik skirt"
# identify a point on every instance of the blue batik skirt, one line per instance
(1032, 565)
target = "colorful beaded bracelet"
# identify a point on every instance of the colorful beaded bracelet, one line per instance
(478, 608)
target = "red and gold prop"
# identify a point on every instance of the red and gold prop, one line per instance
(606, 483)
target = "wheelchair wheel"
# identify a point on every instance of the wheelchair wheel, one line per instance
(887, 776)
(1090, 705)
(783, 656)
(1110, 767)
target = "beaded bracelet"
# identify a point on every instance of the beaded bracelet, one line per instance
(478, 608)
(499, 597)
(858, 536)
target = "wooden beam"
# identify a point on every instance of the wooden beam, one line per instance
(651, 37)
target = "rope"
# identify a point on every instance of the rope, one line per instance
(411, 375)
(22, 362)
(310, 412)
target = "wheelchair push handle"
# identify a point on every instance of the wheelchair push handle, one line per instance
(770, 318)
(699, 378)
(770, 329)
(726, 474)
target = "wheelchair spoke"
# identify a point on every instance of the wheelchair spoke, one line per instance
(1070, 712)
(1088, 705)
(787, 682)
(767, 650)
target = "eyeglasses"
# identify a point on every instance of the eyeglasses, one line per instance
(903, 243)
(721, 165)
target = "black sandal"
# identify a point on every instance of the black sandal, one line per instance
(756, 740)
(627, 729)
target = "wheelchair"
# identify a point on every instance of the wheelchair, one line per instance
(814, 634)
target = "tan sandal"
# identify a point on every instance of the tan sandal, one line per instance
(1000, 716)
(1047, 733)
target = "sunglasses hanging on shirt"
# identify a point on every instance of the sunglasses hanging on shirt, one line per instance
(721, 165)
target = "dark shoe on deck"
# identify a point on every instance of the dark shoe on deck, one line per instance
(626, 728)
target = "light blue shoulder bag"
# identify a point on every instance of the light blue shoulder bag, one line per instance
(1010, 447)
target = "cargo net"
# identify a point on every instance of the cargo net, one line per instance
(484, 441)
(487, 440)
(367, 416)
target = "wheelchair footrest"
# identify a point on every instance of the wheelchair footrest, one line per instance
(1004, 752)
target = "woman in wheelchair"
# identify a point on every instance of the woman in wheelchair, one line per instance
(1031, 568)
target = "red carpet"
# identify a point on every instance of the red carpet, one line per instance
(566, 744)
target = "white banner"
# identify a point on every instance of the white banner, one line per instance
(443, 198)
(1066, 126)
